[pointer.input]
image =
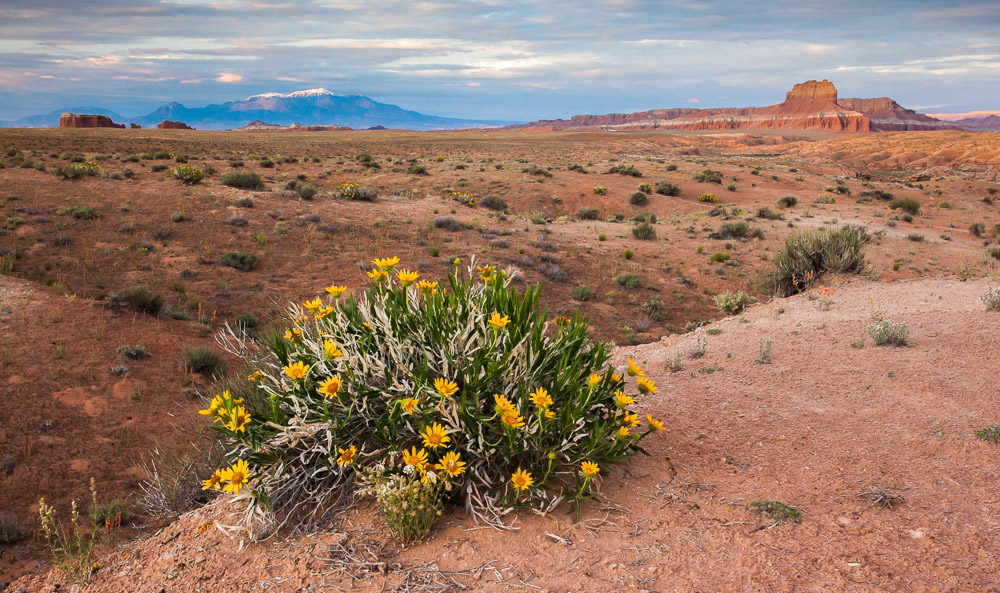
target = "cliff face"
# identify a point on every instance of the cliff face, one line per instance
(887, 115)
(87, 120)
(811, 105)
(172, 125)
(990, 123)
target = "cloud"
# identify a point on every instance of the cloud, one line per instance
(228, 77)
(693, 100)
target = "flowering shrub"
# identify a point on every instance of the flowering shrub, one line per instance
(462, 384)
(353, 191)
(600, 190)
(187, 174)
(466, 199)
(89, 168)
(708, 197)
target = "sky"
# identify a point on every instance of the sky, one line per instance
(494, 59)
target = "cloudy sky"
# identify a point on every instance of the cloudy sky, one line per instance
(495, 59)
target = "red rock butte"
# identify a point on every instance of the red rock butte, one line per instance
(811, 105)
(87, 120)
(173, 125)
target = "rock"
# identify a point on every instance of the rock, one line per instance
(87, 120)
(134, 127)
(172, 125)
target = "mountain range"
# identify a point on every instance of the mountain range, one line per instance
(308, 107)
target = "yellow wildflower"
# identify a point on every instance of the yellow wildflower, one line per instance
(549, 414)
(331, 350)
(213, 407)
(406, 277)
(646, 385)
(425, 286)
(615, 377)
(485, 272)
(377, 274)
(435, 436)
(497, 321)
(293, 334)
(450, 463)
(623, 400)
(323, 312)
(213, 481)
(594, 380)
(255, 376)
(521, 479)
(502, 403)
(415, 458)
(409, 404)
(336, 291)
(346, 456)
(204, 527)
(387, 262)
(236, 476)
(312, 305)
(297, 370)
(589, 468)
(654, 424)
(540, 397)
(299, 320)
(623, 431)
(445, 387)
(630, 419)
(634, 370)
(238, 420)
(330, 387)
(561, 320)
(512, 419)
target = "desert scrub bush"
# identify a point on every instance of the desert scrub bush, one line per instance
(787, 201)
(582, 293)
(84, 213)
(665, 188)
(778, 511)
(645, 188)
(708, 198)
(992, 299)
(888, 333)
(808, 255)
(241, 260)
(245, 202)
(876, 194)
(536, 170)
(600, 190)
(187, 174)
(353, 191)
(71, 544)
(415, 169)
(77, 170)
(733, 303)
(141, 299)
(638, 199)
(644, 232)
(708, 176)
(768, 214)
(463, 386)
(466, 199)
(977, 229)
(627, 281)
(242, 180)
(630, 170)
(11, 531)
(825, 199)
(495, 203)
(908, 205)
(734, 230)
(588, 213)
(132, 352)
(448, 223)
(203, 360)
(990, 433)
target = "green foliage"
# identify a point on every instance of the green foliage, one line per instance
(825, 199)
(733, 303)
(76, 170)
(808, 255)
(990, 433)
(141, 299)
(242, 180)
(84, 213)
(992, 299)
(888, 333)
(241, 260)
(644, 231)
(638, 199)
(665, 188)
(708, 176)
(349, 397)
(630, 170)
(495, 203)
(908, 205)
(876, 194)
(187, 174)
(768, 214)
(628, 281)
(779, 511)
(203, 360)
(600, 190)
(645, 188)
(537, 171)
(588, 213)
(734, 230)
(787, 201)
(581, 293)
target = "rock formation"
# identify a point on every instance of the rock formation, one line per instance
(811, 105)
(87, 120)
(172, 125)
(134, 126)
(990, 123)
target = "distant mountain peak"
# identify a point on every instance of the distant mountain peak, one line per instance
(306, 93)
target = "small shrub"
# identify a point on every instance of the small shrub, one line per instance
(992, 299)
(665, 188)
(768, 214)
(825, 199)
(876, 194)
(11, 531)
(908, 205)
(306, 191)
(764, 351)
(622, 170)
(778, 511)
(708, 198)
(808, 255)
(237, 220)
(581, 293)
(708, 176)
(141, 299)
(629, 254)
(732, 303)
(554, 272)
(241, 260)
(246, 322)
(627, 281)
(888, 333)
(495, 203)
(990, 434)
(416, 169)
(734, 230)
(588, 214)
(448, 223)
(204, 361)
(242, 180)
(187, 174)
(600, 190)
(536, 170)
(644, 232)
(977, 229)
(787, 201)
(76, 170)
(577, 168)
(84, 213)
(645, 188)
(638, 199)
(720, 257)
(133, 352)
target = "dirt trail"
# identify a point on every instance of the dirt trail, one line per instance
(822, 423)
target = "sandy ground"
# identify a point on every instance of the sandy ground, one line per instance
(820, 425)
